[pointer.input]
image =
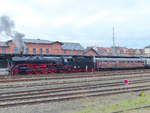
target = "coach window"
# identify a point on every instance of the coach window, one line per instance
(16, 50)
(40, 51)
(47, 51)
(34, 50)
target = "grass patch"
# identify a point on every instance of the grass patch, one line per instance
(121, 106)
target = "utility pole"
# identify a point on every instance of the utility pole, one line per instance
(114, 46)
(113, 36)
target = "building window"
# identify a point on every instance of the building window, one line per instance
(26, 50)
(34, 50)
(72, 52)
(16, 50)
(4, 50)
(65, 51)
(40, 51)
(79, 52)
(47, 51)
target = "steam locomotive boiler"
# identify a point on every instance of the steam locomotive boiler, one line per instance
(45, 65)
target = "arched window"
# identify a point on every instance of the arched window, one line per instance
(47, 51)
(40, 51)
(34, 50)
(16, 50)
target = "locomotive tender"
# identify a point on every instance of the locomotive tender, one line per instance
(58, 64)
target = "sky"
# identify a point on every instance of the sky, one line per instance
(88, 22)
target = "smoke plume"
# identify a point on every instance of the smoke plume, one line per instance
(18, 39)
(7, 27)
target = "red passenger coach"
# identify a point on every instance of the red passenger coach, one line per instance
(118, 63)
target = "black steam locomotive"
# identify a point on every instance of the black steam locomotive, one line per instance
(45, 65)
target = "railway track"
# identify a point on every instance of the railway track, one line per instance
(66, 93)
(71, 81)
(42, 98)
(113, 72)
(72, 76)
(93, 86)
(55, 90)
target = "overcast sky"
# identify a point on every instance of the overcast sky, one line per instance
(89, 22)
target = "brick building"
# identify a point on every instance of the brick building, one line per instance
(100, 51)
(3, 47)
(120, 51)
(37, 46)
(90, 51)
(147, 51)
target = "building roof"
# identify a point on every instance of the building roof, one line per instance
(4, 44)
(131, 50)
(90, 49)
(104, 50)
(141, 50)
(65, 45)
(57, 42)
(38, 41)
(72, 46)
(100, 50)
(147, 46)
